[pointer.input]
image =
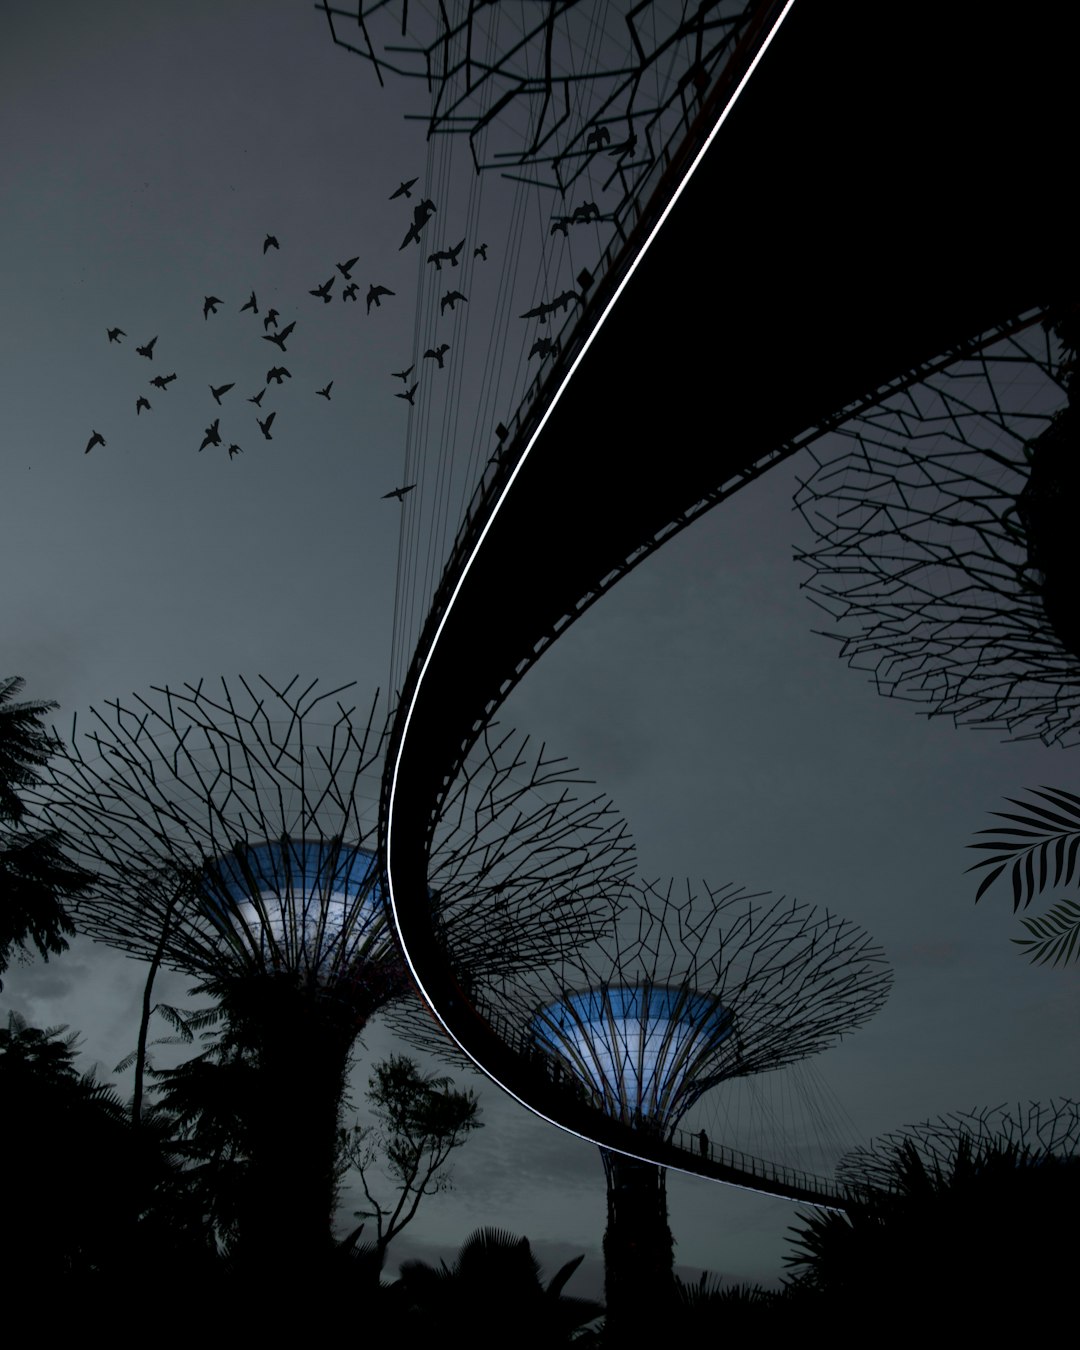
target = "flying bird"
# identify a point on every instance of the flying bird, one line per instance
(480, 251)
(373, 294)
(597, 138)
(271, 318)
(349, 292)
(251, 304)
(279, 338)
(221, 389)
(408, 395)
(543, 347)
(399, 493)
(234, 450)
(403, 190)
(162, 380)
(115, 334)
(438, 353)
(140, 404)
(585, 212)
(148, 350)
(96, 439)
(560, 223)
(265, 426)
(346, 267)
(270, 242)
(449, 255)
(451, 298)
(326, 392)
(402, 375)
(278, 374)
(422, 213)
(257, 400)
(210, 304)
(323, 291)
(212, 437)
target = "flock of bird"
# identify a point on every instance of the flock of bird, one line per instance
(274, 333)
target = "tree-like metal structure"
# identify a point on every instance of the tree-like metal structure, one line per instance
(944, 549)
(691, 990)
(555, 87)
(1027, 1133)
(234, 836)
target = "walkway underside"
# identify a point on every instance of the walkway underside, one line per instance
(892, 183)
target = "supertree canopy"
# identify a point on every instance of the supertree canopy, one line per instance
(944, 551)
(242, 827)
(642, 1049)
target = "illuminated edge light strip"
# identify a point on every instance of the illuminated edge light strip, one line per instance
(461, 581)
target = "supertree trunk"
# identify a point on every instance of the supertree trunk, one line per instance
(639, 1284)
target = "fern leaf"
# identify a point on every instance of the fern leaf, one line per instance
(1054, 936)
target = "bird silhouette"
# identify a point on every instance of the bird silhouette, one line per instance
(422, 213)
(346, 268)
(409, 394)
(221, 389)
(564, 300)
(323, 291)
(402, 375)
(148, 350)
(480, 251)
(543, 347)
(210, 304)
(403, 190)
(560, 223)
(140, 404)
(438, 353)
(270, 242)
(264, 427)
(257, 400)
(278, 373)
(234, 450)
(163, 380)
(597, 138)
(400, 492)
(326, 392)
(115, 334)
(96, 439)
(212, 437)
(451, 298)
(271, 318)
(585, 212)
(373, 294)
(349, 292)
(251, 304)
(449, 255)
(279, 338)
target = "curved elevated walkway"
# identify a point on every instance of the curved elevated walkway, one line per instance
(890, 186)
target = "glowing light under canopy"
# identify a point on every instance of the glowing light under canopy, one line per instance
(646, 1051)
(314, 907)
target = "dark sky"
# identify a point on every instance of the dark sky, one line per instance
(146, 151)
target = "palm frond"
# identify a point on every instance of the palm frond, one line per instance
(1047, 845)
(1055, 937)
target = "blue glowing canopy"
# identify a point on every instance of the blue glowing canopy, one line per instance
(645, 1051)
(310, 906)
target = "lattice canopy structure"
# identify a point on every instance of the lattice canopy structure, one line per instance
(549, 88)
(644, 1051)
(236, 832)
(943, 525)
(1029, 1133)
(690, 992)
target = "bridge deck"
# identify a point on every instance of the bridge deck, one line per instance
(890, 185)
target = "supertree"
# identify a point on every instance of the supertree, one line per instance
(688, 992)
(233, 837)
(944, 550)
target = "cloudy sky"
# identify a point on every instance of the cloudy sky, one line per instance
(146, 152)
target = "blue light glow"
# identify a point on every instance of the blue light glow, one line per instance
(308, 906)
(643, 1050)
